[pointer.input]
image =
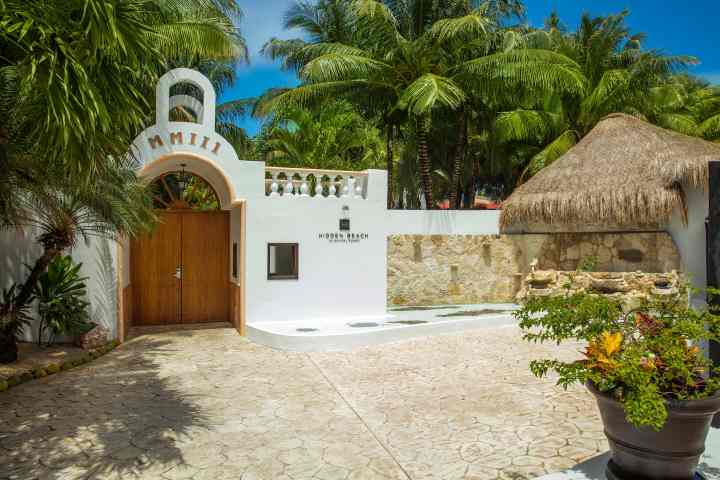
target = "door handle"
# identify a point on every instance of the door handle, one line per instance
(178, 272)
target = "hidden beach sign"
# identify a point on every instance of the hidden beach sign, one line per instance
(344, 235)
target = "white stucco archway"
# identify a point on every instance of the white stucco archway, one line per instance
(195, 147)
(198, 165)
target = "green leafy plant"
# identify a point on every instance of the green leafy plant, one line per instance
(588, 264)
(642, 357)
(61, 293)
(14, 317)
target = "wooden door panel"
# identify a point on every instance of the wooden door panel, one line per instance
(154, 258)
(205, 259)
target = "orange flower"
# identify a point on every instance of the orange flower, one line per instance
(601, 351)
(611, 342)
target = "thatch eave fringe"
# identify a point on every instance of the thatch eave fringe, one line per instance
(624, 206)
(625, 173)
(693, 173)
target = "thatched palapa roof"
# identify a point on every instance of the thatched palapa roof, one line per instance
(625, 172)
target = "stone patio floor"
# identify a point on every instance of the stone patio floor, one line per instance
(208, 404)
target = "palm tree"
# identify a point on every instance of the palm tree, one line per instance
(74, 78)
(324, 21)
(333, 137)
(82, 69)
(619, 74)
(417, 77)
(686, 104)
(117, 203)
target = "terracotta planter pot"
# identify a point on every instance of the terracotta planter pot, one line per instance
(672, 453)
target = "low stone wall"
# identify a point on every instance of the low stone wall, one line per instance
(630, 287)
(465, 269)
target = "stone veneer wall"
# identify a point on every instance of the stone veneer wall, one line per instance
(629, 287)
(466, 269)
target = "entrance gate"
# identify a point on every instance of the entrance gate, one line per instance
(180, 272)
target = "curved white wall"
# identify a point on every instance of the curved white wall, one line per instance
(690, 239)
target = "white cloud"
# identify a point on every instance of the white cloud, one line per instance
(262, 20)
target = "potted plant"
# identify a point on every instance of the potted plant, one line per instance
(13, 319)
(61, 293)
(645, 367)
(91, 336)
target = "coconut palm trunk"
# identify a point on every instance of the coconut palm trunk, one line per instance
(390, 166)
(50, 252)
(424, 162)
(458, 160)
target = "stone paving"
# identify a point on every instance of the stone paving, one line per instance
(209, 404)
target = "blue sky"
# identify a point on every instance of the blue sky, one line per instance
(673, 26)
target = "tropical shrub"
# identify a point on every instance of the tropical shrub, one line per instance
(14, 318)
(61, 294)
(642, 357)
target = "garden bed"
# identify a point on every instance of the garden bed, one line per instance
(36, 362)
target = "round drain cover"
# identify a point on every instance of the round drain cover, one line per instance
(364, 324)
(306, 330)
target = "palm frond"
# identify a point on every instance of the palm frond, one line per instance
(550, 153)
(710, 127)
(526, 125)
(679, 122)
(532, 70)
(431, 91)
(333, 67)
(467, 28)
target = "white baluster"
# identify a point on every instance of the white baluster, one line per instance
(332, 191)
(274, 187)
(318, 188)
(288, 191)
(304, 188)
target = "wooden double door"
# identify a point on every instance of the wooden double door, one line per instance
(179, 273)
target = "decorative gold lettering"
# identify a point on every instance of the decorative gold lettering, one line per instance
(155, 142)
(193, 136)
(216, 148)
(176, 137)
(205, 142)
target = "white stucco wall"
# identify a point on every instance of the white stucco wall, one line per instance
(100, 265)
(17, 249)
(99, 259)
(690, 239)
(443, 222)
(337, 279)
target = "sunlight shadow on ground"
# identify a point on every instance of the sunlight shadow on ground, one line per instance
(112, 419)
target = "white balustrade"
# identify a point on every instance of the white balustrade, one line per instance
(298, 183)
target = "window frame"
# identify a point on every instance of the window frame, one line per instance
(296, 261)
(235, 260)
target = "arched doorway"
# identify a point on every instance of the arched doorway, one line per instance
(180, 271)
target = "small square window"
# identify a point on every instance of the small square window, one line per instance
(283, 261)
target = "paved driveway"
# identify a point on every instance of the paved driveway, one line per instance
(211, 405)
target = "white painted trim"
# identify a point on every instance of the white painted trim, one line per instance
(179, 75)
